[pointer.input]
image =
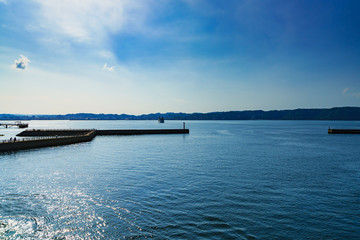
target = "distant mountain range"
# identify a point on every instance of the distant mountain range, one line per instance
(338, 113)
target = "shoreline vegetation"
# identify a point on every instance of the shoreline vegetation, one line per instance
(337, 113)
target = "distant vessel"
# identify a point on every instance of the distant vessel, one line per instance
(161, 119)
(22, 125)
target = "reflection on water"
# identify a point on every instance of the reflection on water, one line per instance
(226, 180)
(66, 213)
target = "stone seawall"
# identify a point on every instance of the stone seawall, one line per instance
(53, 132)
(47, 142)
(56, 137)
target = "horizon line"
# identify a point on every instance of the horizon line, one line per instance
(53, 114)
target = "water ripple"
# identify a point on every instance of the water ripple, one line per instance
(226, 180)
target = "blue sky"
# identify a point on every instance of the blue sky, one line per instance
(143, 56)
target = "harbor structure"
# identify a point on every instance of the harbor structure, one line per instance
(40, 138)
(16, 124)
(343, 131)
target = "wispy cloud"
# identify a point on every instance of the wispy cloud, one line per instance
(351, 92)
(105, 54)
(108, 68)
(89, 21)
(3, 1)
(21, 63)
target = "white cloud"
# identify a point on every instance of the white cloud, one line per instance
(108, 68)
(351, 92)
(106, 54)
(21, 63)
(89, 21)
(3, 1)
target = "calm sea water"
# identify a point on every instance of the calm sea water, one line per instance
(225, 180)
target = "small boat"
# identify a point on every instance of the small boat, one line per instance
(22, 125)
(161, 119)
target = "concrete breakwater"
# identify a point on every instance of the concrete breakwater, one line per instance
(58, 137)
(343, 131)
(53, 132)
(74, 132)
(141, 131)
(22, 144)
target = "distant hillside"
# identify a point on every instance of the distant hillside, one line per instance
(340, 113)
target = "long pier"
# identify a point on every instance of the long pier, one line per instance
(16, 124)
(72, 132)
(57, 137)
(141, 131)
(343, 131)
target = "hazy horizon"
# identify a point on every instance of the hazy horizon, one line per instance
(164, 113)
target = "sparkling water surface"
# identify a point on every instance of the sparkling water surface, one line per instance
(225, 180)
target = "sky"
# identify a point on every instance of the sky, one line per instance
(150, 56)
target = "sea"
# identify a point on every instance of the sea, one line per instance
(224, 180)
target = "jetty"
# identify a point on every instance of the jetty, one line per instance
(50, 141)
(16, 124)
(75, 132)
(343, 131)
(39, 138)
